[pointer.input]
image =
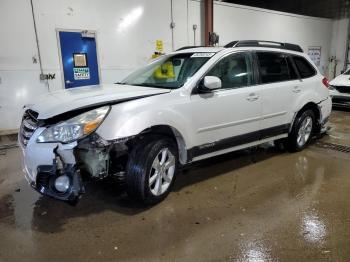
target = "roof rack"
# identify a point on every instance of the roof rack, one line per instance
(262, 43)
(188, 47)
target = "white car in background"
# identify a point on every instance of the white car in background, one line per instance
(340, 90)
(189, 105)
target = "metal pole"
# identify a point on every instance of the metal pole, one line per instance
(208, 10)
(172, 24)
(346, 62)
(37, 45)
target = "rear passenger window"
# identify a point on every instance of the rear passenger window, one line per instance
(273, 67)
(304, 67)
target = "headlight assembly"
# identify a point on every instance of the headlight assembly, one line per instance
(74, 128)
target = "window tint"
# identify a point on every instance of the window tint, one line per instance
(273, 67)
(304, 67)
(234, 71)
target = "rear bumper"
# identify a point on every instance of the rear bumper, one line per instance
(325, 110)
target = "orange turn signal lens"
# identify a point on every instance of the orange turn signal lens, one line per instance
(91, 126)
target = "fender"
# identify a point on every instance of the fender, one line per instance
(131, 118)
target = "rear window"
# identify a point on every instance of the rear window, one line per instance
(304, 67)
(273, 67)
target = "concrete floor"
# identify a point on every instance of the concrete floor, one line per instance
(252, 205)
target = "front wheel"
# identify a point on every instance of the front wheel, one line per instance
(151, 170)
(301, 132)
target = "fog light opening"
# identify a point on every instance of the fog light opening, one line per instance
(62, 183)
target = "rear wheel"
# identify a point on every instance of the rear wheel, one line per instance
(151, 170)
(301, 132)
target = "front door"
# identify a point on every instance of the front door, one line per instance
(229, 116)
(79, 58)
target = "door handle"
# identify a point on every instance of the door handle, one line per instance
(296, 89)
(252, 97)
(69, 82)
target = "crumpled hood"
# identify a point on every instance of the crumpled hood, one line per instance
(62, 101)
(341, 80)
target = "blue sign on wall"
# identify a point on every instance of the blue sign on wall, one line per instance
(79, 59)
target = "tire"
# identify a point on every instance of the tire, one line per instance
(145, 175)
(301, 128)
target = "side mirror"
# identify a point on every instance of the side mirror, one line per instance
(209, 83)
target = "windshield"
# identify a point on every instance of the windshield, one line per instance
(169, 71)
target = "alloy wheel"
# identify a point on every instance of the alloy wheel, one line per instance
(162, 172)
(304, 131)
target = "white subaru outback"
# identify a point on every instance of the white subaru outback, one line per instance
(189, 105)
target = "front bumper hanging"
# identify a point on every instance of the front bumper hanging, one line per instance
(47, 175)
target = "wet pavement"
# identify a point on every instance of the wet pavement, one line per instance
(252, 205)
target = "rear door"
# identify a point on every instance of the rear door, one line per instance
(308, 82)
(280, 86)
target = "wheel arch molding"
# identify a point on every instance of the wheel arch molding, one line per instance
(172, 132)
(309, 106)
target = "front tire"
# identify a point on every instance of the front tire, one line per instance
(301, 132)
(151, 169)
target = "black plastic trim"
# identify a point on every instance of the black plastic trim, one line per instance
(237, 141)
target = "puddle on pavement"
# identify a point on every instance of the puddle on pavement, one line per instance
(254, 205)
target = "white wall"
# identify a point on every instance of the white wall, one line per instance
(18, 75)
(122, 49)
(339, 41)
(235, 22)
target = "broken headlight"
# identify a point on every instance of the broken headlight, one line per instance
(74, 128)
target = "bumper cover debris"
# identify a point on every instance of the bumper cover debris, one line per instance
(47, 175)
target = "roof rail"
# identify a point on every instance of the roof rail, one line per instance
(188, 47)
(262, 43)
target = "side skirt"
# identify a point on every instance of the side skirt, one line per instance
(236, 148)
(238, 142)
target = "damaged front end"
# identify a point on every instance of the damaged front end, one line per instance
(98, 159)
(60, 180)
(57, 164)
(91, 158)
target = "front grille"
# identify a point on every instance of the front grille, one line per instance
(343, 89)
(29, 125)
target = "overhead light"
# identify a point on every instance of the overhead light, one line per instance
(130, 18)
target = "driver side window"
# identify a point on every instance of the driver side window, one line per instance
(235, 71)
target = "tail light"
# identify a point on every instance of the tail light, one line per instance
(325, 82)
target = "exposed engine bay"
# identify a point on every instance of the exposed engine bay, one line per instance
(94, 158)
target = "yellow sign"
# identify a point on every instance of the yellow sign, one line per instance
(159, 45)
